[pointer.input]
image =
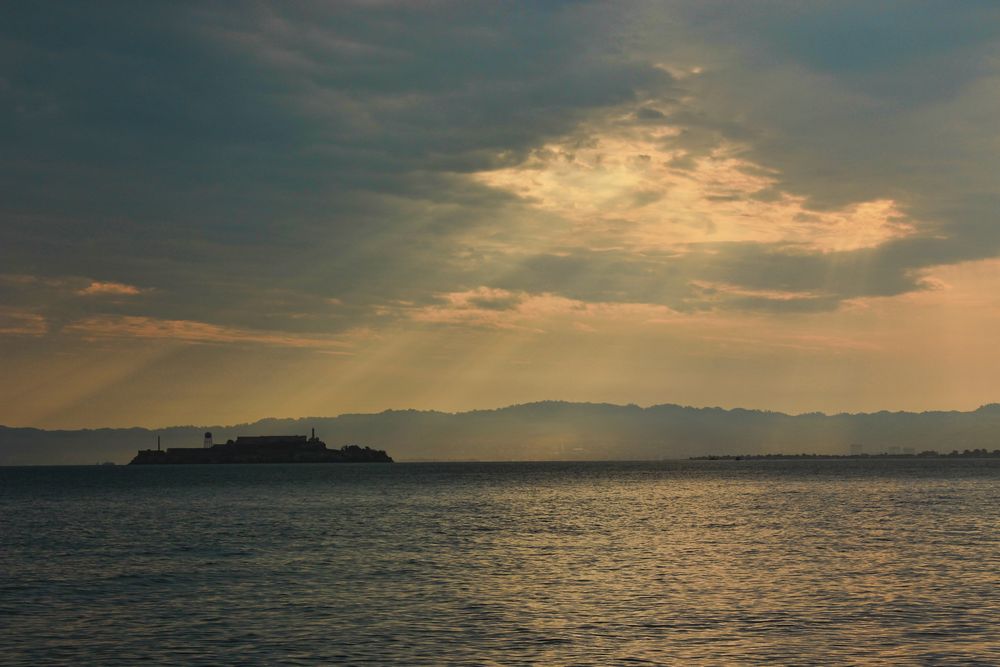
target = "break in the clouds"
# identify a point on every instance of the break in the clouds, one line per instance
(354, 177)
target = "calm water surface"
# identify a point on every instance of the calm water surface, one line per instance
(776, 562)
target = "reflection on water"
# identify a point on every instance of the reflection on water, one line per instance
(789, 562)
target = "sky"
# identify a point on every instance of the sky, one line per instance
(216, 212)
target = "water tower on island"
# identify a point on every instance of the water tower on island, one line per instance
(208, 439)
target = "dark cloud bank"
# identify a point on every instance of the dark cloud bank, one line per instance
(211, 153)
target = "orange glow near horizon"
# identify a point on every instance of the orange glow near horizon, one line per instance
(461, 355)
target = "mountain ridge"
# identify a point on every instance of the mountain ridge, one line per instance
(547, 430)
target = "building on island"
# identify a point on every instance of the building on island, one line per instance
(262, 449)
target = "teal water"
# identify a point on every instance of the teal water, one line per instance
(700, 562)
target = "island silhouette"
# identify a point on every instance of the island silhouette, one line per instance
(261, 449)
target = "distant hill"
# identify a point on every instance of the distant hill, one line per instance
(547, 430)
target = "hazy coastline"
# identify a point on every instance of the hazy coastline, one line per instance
(553, 430)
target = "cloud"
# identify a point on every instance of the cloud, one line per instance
(771, 166)
(298, 172)
(15, 322)
(625, 182)
(537, 313)
(481, 307)
(903, 112)
(186, 331)
(110, 288)
(170, 142)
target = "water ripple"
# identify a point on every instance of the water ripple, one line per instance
(797, 563)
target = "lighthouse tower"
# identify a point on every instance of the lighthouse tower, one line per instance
(208, 439)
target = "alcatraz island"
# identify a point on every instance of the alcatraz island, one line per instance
(261, 449)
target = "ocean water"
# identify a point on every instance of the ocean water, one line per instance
(841, 562)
